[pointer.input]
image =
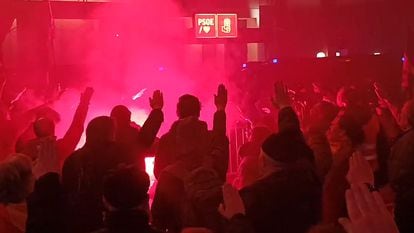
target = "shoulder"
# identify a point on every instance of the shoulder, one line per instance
(73, 159)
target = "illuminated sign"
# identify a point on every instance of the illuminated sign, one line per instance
(227, 25)
(215, 25)
(206, 25)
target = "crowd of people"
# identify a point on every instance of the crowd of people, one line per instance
(348, 167)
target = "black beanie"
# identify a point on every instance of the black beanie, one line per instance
(126, 188)
(287, 147)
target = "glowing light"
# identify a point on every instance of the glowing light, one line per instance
(403, 59)
(275, 61)
(338, 54)
(149, 168)
(161, 69)
(116, 35)
(244, 65)
(321, 55)
(377, 54)
(139, 94)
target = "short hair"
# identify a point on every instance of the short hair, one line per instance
(353, 120)
(126, 188)
(121, 113)
(188, 105)
(287, 147)
(100, 129)
(16, 179)
(44, 127)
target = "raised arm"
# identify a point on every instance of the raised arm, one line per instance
(220, 100)
(153, 123)
(72, 136)
(288, 120)
(220, 143)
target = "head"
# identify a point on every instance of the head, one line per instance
(44, 127)
(48, 112)
(322, 114)
(353, 121)
(16, 179)
(407, 115)
(285, 149)
(125, 189)
(121, 115)
(100, 130)
(188, 105)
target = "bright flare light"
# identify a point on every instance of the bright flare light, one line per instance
(139, 94)
(321, 55)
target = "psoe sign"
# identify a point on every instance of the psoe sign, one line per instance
(215, 25)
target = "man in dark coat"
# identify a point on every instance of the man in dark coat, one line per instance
(133, 141)
(188, 106)
(189, 187)
(84, 170)
(83, 173)
(288, 196)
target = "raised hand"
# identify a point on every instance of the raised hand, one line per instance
(382, 100)
(339, 142)
(281, 97)
(220, 100)
(233, 204)
(157, 100)
(47, 158)
(367, 212)
(360, 171)
(86, 95)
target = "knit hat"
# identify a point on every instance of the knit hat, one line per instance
(287, 147)
(126, 188)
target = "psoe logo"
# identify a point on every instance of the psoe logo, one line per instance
(206, 25)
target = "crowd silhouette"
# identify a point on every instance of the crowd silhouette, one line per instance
(345, 166)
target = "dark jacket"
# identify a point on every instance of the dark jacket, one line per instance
(166, 153)
(127, 222)
(45, 206)
(168, 209)
(401, 176)
(82, 180)
(288, 201)
(136, 142)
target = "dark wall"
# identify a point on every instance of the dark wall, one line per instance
(362, 28)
